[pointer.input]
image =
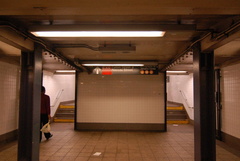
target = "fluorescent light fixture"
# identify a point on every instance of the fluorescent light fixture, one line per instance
(65, 71)
(113, 65)
(98, 33)
(177, 72)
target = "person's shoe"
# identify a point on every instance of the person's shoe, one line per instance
(49, 136)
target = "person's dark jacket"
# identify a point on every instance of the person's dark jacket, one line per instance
(45, 104)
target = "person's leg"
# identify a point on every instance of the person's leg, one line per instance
(45, 120)
(41, 125)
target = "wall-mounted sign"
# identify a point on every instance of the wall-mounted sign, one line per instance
(107, 71)
(151, 70)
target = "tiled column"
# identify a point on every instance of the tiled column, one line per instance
(204, 108)
(29, 109)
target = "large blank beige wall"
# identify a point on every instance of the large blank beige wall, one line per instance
(120, 99)
(230, 83)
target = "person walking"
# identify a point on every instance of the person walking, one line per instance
(45, 112)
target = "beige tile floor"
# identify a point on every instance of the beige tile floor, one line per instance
(69, 145)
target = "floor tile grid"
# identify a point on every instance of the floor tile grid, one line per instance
(127, 146)
(68, 145)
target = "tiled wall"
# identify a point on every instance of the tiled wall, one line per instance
(120, 99)
(54, 83)
(230, 84)
(9, 94)
(185, 84)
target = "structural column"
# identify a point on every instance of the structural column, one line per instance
(29, 108)
(204, 107)
(76, 98)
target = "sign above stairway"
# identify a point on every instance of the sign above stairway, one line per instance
(146, 70)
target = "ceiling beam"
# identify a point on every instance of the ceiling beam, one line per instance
(209, 43)
(11, 37)
(114, 27)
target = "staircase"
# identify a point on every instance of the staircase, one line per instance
(176, 114)
(65, 113)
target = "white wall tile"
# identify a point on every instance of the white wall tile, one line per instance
(182, 83)
(177, 83)
(54, 83)
(9, 103)
(230, 87)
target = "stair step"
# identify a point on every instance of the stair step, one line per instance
(66, 106)
(175, 108)
(66, 111)
(66, 118)
(173, 104)
(64, 115)
(176, 112)
(176, 117)
(63, 120)
(186, 121)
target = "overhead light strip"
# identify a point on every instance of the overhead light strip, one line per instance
(65, 71)
(177, 72)
(112, 65)
(98, 33)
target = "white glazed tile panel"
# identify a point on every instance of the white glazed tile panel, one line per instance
(231, 100)
(9, 103)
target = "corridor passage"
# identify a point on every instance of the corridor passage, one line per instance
(69, 145)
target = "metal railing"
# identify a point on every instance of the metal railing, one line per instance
(57, 97)
(186, 104)
(188, 108)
